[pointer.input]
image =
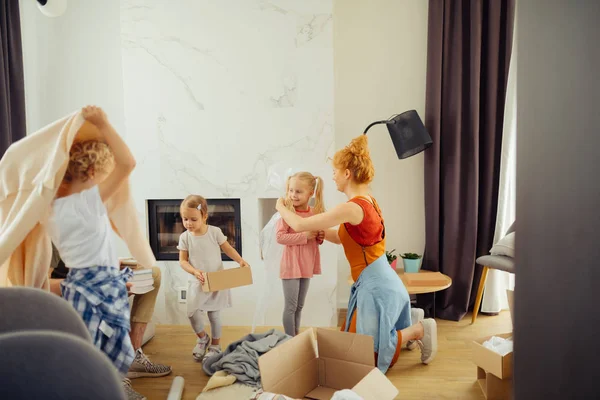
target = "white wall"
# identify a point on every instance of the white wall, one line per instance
(71, 61)
(380, 56)
(216, 95)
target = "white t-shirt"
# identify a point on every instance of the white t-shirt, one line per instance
(81, 231)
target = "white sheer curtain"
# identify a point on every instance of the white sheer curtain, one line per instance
(494, 296)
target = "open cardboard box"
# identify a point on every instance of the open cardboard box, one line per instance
(318, 362)
(492, 362)
(227, 279)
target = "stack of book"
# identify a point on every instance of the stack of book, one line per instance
(128, 262)
(142, 281)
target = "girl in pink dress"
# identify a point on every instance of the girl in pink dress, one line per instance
(301, 258)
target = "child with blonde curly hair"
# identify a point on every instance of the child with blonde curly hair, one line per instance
(81, 231)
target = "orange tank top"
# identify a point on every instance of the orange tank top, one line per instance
(365, 242)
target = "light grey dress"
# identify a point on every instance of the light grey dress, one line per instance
(204, 254)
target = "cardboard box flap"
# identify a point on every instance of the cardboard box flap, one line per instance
(291, 368)
(341, 374)
(346, 346)
(375, 386)
(490, 361)
(298, 383)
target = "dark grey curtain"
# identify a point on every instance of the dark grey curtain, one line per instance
(12, 86)
(468, 55)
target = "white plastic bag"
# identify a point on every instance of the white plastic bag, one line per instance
(499, 345)
(277, 176)
(271, 253)
(346, 394)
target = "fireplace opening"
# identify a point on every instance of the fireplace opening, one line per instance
(165, 225)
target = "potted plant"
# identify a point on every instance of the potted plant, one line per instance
(392, 258)
(411, 261)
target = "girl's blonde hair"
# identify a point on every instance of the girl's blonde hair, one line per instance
(356, 158)
(316, 185)
(87, 158)
(198, 202)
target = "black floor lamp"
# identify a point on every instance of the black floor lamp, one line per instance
(407, 132)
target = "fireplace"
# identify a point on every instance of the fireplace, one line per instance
(165, 225)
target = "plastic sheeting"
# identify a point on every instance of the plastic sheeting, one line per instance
(270, 250)
(271, 253)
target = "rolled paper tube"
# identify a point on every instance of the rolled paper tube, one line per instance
(176, 389)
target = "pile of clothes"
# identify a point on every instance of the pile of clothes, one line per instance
(239, 361)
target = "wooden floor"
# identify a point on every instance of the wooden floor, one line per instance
(451, 376)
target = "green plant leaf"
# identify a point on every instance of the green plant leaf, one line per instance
(410, 256)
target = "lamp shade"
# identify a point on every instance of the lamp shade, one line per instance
(408, 134)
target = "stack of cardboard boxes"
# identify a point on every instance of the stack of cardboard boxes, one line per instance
(494, 371)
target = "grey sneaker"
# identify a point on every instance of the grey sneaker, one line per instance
(200, 348)
(416, 316)
(131, 394)
(428, 343)
(213, 349)
(143, 367)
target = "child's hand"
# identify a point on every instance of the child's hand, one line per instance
(244, 264)
(199, 275)
(280, 204)
(310, 235)
(321, 236)
(129, 285)
(95, 115)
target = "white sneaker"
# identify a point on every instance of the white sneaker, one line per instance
(212, 350)
(200, 348)
(416, 315)
(428, 343)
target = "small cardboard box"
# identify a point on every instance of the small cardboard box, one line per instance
(318, 362)
(494, 371)
(494, 388)
(227, 279)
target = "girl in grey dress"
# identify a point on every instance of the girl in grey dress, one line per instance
(200, 249)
